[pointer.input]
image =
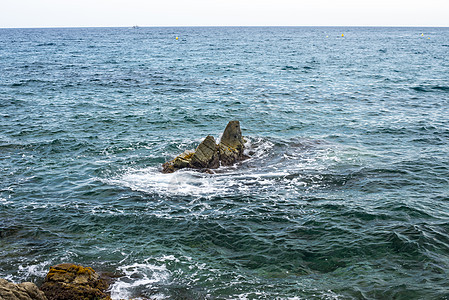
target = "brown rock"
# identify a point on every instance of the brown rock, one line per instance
(208, 171)
(74, 282)
(228, 155)
(206, 154)
(179, 162)
(21, 291)
(232, 136)
(183, 161)
(231, 144)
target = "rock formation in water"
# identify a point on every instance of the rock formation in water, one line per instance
(21, 291)
(74, 282)
(208, 155)
(231, 144)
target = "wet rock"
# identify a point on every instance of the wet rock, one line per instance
(74, 282)
(21, 291)
(228, 156)
(231, 144)
(232, 136)
(179, 162)
(208, 171)
(208, 155)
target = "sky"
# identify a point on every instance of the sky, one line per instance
(112, 13)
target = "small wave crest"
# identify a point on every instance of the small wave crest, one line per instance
(29, 272)
(433, 88)
(138, 277)
(274, 165)
(183, 182)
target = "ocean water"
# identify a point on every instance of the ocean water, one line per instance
(345, 196)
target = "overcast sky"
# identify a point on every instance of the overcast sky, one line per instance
(77, 13)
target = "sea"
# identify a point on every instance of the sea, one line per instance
(345, 194)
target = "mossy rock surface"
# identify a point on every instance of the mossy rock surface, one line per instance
(74, 282)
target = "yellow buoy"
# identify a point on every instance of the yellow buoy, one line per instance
(327, 36)
(176, 37)
(342, 35)
(422, 34)
(428, 38)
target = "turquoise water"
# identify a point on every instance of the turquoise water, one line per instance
(345, 195)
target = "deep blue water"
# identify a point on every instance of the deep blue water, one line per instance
(345, 196)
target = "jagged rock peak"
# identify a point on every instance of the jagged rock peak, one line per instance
(232, 135)
(208, 155)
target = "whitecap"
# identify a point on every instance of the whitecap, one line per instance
(288, 165)
(25, 272)
(139, 276)
(182, 182)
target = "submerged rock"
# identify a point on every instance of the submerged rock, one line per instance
(21, 291)
(74, 282)
(208, 155)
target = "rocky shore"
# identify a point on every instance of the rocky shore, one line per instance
(63, 282)
(75, 282)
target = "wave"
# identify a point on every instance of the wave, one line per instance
(274, 166)
(140, 277)
(293, 68)
(431, 88)
(13, 102)
(159, 277)
(286, 68)
(46, 44)
(32, 82)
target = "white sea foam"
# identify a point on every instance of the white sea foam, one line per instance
(33, 270)
(4, 201)
(285, 168)
(183, 182)
(226, 180)
(140, 276)
(193, 183)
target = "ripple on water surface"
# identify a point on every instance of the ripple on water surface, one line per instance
(344, 196)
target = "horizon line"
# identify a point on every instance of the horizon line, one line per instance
(247, 26)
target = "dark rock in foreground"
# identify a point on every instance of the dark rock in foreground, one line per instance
(21, 291)
(208, 155)
(74, 282)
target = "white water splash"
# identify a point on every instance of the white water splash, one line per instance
(183, 182)
(25, 272)
(138, 276)
(290, 168)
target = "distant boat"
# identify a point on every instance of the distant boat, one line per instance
(135, 27)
